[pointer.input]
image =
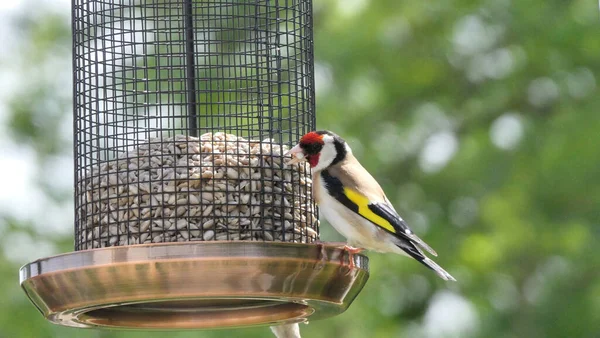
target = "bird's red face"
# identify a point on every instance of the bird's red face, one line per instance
(308, 149)
(321, 149)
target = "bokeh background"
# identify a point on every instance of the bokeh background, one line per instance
(480, 118)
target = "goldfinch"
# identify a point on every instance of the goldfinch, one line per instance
(352, 201)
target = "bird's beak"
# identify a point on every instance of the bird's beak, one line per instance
(297, 155)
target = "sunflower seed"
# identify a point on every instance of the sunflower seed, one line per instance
(167, 190)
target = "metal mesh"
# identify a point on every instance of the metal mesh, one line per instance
(182, 111)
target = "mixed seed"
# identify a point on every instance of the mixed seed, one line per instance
(215, 187)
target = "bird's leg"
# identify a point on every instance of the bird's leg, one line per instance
(352, 249)
(340, 245)
(351, 252)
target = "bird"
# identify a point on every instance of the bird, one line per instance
(352, 201)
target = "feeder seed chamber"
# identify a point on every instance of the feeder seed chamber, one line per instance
(186, 216)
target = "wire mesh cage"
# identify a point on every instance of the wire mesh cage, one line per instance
(182, 112)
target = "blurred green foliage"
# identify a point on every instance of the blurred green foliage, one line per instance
(480, 120)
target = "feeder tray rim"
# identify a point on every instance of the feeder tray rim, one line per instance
(195, 285)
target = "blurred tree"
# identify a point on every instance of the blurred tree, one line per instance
(480, 120)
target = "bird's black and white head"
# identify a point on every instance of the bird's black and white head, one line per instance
(321, 149)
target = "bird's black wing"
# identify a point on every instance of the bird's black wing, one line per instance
(382, 214)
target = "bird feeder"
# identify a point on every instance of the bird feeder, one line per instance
(186, 215)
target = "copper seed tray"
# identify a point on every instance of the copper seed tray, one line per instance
(195, 285)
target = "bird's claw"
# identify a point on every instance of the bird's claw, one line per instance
(351, 252)
(341, 245)
(352, 249)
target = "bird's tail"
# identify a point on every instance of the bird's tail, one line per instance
(438, 269)
(411, 249)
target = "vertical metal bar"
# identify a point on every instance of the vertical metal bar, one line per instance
(311, 92)
(75, 31)
(190, 67)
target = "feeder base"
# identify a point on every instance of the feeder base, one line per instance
(195, 285)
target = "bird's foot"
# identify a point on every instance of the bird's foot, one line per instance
(340, 245)
(351, 252)
(352, 249)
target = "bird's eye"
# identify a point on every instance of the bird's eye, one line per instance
(312, 148)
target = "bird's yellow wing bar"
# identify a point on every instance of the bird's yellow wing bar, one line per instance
(382, 214)
(365, 211)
